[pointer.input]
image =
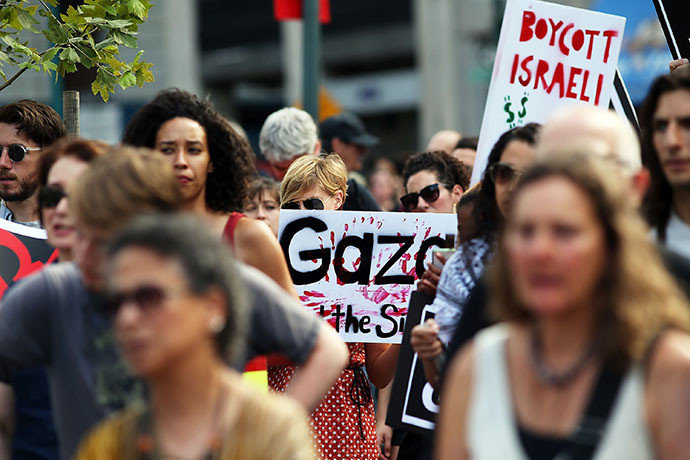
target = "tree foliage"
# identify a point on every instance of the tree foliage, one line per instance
(90, 35)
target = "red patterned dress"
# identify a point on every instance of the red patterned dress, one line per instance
(343, 426)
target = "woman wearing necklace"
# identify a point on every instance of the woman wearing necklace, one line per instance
(593, 358)
(178, 315)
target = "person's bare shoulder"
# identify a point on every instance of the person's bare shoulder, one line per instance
(667, 395)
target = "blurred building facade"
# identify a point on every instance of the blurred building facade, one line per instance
(408, 68)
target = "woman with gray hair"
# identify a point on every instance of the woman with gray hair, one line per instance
(178, 314)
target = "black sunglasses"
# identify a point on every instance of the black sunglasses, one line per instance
(146, 298)
(17, 152)
(503, 173)
(312, 204)
(430, 193)
(49, 197)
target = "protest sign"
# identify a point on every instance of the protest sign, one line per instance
(621, 102)
(548, 56)
(414, 403)
(673, 17)
(357, 269)
(23, 251)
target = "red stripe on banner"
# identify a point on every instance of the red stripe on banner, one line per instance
(284, 10)
(260, 363)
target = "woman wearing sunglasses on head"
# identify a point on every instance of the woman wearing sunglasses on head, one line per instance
(343, 424)
(512, 154)
(178, 313)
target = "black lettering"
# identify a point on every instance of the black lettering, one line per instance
(365, 246)
(394, 330)
(406, 243)
(424, 248)
(351, 321)
(337, 315)
(291, 229)
(363, 324)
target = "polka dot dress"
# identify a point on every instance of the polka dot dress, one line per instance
(343, 426)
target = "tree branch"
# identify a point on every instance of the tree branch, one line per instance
(14, 77)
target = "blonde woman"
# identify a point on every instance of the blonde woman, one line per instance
(593, 360)
(343, 424)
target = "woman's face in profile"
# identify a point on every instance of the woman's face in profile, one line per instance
(555, 247)
(157, 318)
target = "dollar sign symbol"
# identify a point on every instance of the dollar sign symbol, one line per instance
(523, 112)
(511, 115)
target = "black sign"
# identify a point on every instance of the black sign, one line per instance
(414, 403)
(673, 16)
(23, 251)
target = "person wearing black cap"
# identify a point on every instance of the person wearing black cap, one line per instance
(345, 135)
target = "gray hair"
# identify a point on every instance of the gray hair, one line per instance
(287, 134)
(205, 261)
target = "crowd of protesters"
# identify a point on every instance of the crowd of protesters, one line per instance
(562, 319)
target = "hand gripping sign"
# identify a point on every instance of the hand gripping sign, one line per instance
(548, 56)
(357, 269)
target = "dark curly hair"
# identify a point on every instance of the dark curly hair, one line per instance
(486, 215)
(448, 169)
(656, 207)
(231, 156)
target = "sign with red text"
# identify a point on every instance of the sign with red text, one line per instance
(357, 269)
(548, 56)
(23, 251)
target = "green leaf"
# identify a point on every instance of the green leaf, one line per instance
(119, 23)
(137, 8)
(110, 41)
(56, 32)
(14, 20)
(124, 39)
(127, 79)
(69, 55)
(27, 20)
(50, 54)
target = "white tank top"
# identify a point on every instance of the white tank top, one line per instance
(492, 428)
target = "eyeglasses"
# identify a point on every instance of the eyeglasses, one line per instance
(17, 152)
(430, 193)
(311, 204)
(49, 197)
(503, 173)
(146, 297)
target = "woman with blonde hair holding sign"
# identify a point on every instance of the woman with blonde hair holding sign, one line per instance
(343, 424)
(593, 358)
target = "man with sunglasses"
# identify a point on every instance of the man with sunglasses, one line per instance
(26, 127)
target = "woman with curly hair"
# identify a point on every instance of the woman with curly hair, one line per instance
(213, 165)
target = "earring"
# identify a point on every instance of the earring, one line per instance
(216, 324)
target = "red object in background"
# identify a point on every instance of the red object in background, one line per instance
(292, 9)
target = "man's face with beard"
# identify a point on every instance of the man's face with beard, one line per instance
(18, 181)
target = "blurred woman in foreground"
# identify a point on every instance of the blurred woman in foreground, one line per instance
(593, 359)
(178, 314)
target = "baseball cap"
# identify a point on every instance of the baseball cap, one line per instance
(348, 127)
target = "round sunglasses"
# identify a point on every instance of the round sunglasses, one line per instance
(430, 193)
(50, 196)
(311, 204)
(503, 173)
(17, 152)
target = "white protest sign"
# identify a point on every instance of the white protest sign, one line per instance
(357, 269)
(548, 56)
